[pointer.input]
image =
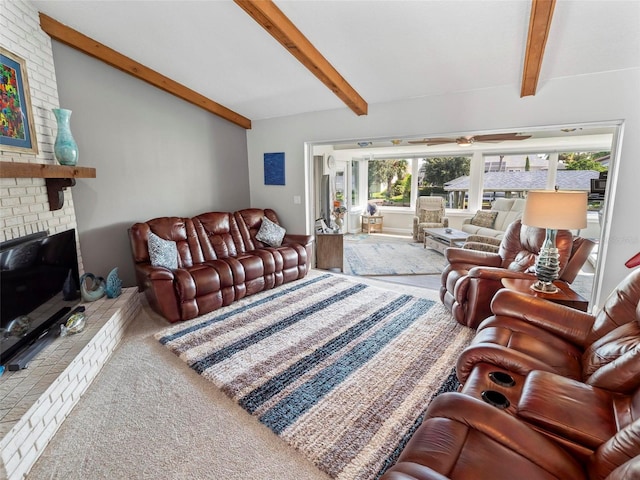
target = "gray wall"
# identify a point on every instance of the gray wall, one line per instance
(155, 155)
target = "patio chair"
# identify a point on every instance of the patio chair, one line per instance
(429, 214)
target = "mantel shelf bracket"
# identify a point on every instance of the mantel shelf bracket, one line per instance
(55, 187)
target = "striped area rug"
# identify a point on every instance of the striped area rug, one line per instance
(340, 370)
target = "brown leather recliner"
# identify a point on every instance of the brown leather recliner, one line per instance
(528, 333)
(464, 438)
(471, 278)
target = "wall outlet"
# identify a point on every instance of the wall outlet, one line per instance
(297, 199)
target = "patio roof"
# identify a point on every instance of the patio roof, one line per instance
(524, 181)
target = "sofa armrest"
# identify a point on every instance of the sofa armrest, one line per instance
(290, 238)
(472, 257)
(565, 322)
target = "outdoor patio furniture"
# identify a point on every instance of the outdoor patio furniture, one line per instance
(429, 214)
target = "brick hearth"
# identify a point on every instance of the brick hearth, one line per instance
(35, 401)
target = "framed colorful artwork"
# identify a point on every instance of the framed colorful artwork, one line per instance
(17, 130)
(274, 168)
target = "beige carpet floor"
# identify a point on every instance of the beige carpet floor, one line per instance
(149, 416)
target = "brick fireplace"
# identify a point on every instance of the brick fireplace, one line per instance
(35, 401)
(23, 201)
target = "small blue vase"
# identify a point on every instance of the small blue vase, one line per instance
(65, 148)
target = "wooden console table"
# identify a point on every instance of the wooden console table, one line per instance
(372, 223)
(329, 251)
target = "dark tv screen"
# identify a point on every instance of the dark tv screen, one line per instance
(33, 271)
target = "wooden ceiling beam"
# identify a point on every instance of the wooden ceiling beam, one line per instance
(95, 49)
(271, 18)
(539, 26)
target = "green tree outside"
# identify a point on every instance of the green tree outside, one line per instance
(384, 171)
(440, 170)
(583, 161)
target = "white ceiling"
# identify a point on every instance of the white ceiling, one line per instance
(386, 50)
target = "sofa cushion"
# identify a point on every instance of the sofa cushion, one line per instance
(507, 217)
(484, 219)
(270, 233)
(162, 253)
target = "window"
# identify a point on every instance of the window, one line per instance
(588, 166)
(389, 182)
(511, 176)
(439, 175)
(355, 182)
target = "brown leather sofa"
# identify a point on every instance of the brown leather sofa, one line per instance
(219, 261)
(471, 277)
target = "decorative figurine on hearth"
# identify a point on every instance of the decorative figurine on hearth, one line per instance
(69, 288)
(75, 324)
(92, 288)
(114, 284)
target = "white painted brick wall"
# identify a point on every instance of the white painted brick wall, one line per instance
(88, 352)
(24, 207)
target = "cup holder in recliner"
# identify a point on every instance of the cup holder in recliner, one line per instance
(495, 398)
(503, 379)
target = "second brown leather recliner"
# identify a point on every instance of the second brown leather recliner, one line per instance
(471, 278)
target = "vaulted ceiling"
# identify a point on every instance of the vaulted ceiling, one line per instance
(384, 50)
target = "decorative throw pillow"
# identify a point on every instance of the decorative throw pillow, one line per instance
(484, 219)
(430, 216)
(162, 253)
(270, 233)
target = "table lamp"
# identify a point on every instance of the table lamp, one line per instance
(553, 210)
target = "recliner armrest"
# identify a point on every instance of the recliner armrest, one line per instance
(498, 355)
(472, 257)
(568, 323)
(295, 238)
(497, 273)
(505, 430)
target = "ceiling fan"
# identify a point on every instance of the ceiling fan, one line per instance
(468, 140)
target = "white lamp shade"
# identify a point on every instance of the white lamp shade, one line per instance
(557, 210)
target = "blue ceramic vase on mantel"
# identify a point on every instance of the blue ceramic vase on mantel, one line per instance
(65, 148)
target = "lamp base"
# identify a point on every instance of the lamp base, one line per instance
(544, 287)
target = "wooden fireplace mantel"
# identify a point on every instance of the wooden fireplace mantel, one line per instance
(57, 177)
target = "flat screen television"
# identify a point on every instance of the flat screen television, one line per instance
(33, 271)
